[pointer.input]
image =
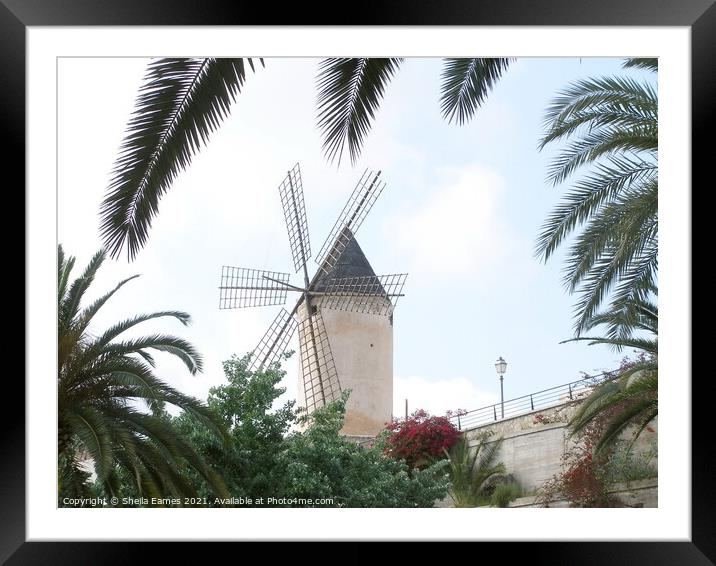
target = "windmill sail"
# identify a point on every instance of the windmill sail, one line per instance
(274, 342)
(241, 288)
(294, 211)
(354, 212)
(374, 294)
(320, 377)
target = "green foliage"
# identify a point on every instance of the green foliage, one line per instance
(504, 494)
(249, 463)
(630, 398)
(599, 455)
(610, 129)
(349, 91)
(471, 468)
(322, 463)
(181, 103)
(625, 465)
(108, 399)
(466, 83)
(317, 463)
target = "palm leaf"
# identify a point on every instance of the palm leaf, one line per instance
(465, 85)
(181, 103)
(114, 331)
(588, 195)
(70, 302)
(64, 268)
(91, 429)
(99, 383)
(617, 102)
(349, 92)
(163, 343)
(642, 63)
(620, 423)
(88, 313)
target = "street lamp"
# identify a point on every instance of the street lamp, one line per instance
(501, 367)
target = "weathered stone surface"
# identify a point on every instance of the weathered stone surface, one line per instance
(533, 444)
(642, 493)
(362, 348)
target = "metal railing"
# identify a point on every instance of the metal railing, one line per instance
(544, 399)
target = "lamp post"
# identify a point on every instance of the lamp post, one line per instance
(501, 367)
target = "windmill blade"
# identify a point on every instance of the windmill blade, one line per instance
(373, 294)
(242, 288)
(273, 344)
(354, 212)
(320, 377)
(294, 211)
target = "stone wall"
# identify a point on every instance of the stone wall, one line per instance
(640, 493)
(533, 444)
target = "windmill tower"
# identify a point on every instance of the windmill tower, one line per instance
(344, 313)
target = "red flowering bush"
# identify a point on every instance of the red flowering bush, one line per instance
(420, 439)
(585, 479)
(582, 483)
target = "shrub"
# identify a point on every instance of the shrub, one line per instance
(504, 493)
(626, 466)
(420, 439)
(588, 473)
(471, 469)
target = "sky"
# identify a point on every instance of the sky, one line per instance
(460, 213)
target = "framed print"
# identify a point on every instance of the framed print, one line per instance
(83, 85)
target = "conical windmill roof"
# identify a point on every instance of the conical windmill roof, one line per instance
(351, 263)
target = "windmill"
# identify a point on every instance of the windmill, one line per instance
(358, 305)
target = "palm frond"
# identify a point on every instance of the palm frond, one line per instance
(640, 343)
(635, 390)
(349, 92)
(181, 103)
(69, 304)
(64, 269)
(608, 101)
(85, 317)
(91, 428)
(178, 347)
(642, 63)
(619, 244)
(114, 331)
(608, 141)
(622, 421)
(101, 381)
(466, 83)
(635, 312)
(589, 194)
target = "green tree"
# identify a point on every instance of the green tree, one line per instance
(322, 463)
(610, 129)
(630, 398)
(183, 101)
(249, 463)
(102, 383)
(264, 459)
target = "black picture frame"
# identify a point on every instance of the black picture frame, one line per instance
(699, 15)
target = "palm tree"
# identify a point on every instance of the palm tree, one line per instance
(470, 469)
(611, 128)
(630, 398)
(103, 381)
(183, 101)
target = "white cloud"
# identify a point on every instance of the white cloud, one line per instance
(437, 396)
(457, 228)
